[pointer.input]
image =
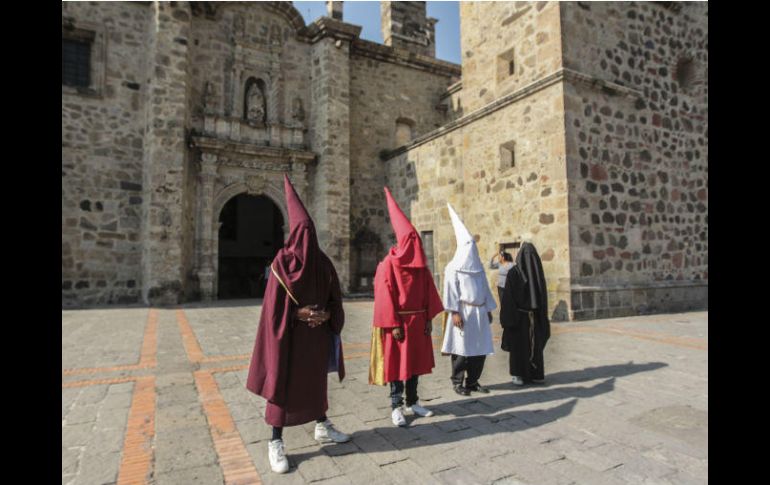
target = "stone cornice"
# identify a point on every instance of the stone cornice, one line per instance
(212, 10)
(219, 146)
(384, 53)
(329, 27)
(454, 88)
(597, 83)
(562, 75)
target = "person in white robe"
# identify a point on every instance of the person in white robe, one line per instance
(469, 304)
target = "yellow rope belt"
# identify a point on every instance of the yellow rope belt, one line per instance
(288, 292)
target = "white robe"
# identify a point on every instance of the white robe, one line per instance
(469, 295)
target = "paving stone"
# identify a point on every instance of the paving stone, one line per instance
(184, 448)
(202, 475)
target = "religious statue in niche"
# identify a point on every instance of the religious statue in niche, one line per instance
(255, 111)
(297, 111)
(208, 96)
(275, 34)
(239, 27)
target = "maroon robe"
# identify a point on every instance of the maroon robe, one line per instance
(290, 361)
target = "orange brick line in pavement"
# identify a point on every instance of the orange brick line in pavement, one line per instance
(235, 461)
(148, 356)
(136, 463)
(97, 382)
(191, 345)
(694, 342)
(687, 342)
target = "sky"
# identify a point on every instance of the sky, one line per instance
(367, 15)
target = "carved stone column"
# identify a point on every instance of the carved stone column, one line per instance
(206, 268)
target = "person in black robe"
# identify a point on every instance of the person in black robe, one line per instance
(524, 317)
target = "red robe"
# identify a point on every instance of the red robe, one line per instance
(290, 361)
(413, 289)
(404, 296)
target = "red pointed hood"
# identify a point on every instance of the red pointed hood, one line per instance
(408, 251)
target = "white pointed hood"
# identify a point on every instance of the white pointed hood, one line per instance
(466, 258)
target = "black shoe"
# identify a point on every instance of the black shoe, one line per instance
(461, 390)
(478, 388)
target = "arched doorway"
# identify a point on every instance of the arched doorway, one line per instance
(250, 234)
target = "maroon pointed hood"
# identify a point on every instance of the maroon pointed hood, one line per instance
(298, 215)
(408, 252)
(300, 263)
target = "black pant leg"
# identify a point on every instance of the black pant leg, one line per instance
(411, 391)
(459, 364)
(396, 394)
(475, 367)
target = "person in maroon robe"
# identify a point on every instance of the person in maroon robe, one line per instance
(405, 302)
(298, 340)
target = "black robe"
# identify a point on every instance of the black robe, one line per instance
(524, 315)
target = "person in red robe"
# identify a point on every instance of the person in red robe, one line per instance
(298, 339)
(405, 302)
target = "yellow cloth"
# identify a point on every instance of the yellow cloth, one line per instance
(376, 359)
(284, 286)
(444, 319)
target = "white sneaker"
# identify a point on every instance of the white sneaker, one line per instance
(325, 433)
(517, 380)
(278, 461)
(419, 410)
(398, 417)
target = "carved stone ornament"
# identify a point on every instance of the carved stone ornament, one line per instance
(256, 184)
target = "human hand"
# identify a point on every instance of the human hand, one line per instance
(303, 314)
(428, 327)
(457, 320)
(398, 333)
(312, 316)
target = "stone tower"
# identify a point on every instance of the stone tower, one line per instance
(406, 26)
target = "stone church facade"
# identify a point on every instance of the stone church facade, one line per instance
(580, 126)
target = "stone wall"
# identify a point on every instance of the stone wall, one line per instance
(165, 231)
(637, 156)
(382, 94)
(492, 34)
(102, 151)
(330, 139)
(499, 203)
